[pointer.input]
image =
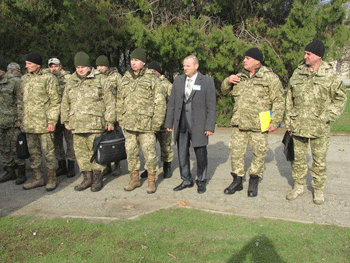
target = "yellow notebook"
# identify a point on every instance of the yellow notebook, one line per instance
(265, 119)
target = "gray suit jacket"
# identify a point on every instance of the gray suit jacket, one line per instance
(202, 110)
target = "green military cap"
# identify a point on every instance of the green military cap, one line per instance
(102, 61)
(82, 59)
(139, 53)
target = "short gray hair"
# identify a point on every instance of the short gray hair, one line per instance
(194, 58)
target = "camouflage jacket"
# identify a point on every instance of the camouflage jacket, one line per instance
(113, 82)
(9, 88)
(141, 103)
(39, 102)
(87, 105)
(166, 88)
(62, 77)
(254, 94)
(313, 100)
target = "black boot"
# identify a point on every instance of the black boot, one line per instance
(21, 177)
(71, 169)
(62, 168)
(107, 170)
(144, 174)
(236, 185)
(253, 185)
(9, 175)
(167, 173)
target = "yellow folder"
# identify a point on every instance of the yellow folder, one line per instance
(265, 119)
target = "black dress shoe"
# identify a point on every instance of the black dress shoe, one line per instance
(201, 189)
(183, 186)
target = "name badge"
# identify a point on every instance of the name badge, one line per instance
(196, 87)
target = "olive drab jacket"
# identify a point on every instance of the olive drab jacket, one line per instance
(39, 102)
(88, 105)
(141, 103)
(9, 88)
(314, 99)
(254, 94)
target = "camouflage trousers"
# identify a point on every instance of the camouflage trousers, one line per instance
(39, 144)
(147, 140)
(8, 139)
(61, 132)
(238, 147)
(164, 138)
(84, 149)
(319, 148)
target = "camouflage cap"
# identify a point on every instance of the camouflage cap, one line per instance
(14, 65)
(55, 61)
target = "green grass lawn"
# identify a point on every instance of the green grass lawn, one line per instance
(174, 235)
(342, 125)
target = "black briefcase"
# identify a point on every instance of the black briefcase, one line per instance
(22, 146)
(109, 147)
(288, 146)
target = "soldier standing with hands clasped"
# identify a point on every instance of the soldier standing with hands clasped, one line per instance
(316, 96)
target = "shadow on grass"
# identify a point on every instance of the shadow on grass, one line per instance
(258, 249)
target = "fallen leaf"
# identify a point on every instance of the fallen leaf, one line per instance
(171, 255)
(341, 150)
(144, 247)
(127, 207)
(183, 203)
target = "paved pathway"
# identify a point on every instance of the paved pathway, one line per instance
(112, 202)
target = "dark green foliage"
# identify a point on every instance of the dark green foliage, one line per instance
(217, 31)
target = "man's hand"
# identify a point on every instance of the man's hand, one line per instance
(208, 133)
(67, 127)
(271, 128)
(110, 128)
(50, 128)
(234, 79)
(169, 130)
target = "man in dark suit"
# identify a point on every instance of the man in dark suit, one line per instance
(192, 111)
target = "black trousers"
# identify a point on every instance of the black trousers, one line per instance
(183, 150)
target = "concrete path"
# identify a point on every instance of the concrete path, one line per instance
(113, 203)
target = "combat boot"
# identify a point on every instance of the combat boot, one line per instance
(298, 190)
(118, 170)
(9, 175)
(37, 180)
(151, 182)
(167, 173)
(134, 181)
(236, 185)
(107, 169)
(97, 183)
(21, 176)
(318, 197)
(87, 180)
(62, 168)
(71, 169)
(51, 180)
(253, 185)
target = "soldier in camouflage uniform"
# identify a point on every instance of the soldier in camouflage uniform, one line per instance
(9, 130)
(14, 70)
(163, 136)
(88, 107)
(38, 110)
(114, 79)
(316, 96)
(62, 75)
(141, 110)
(256, 89)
